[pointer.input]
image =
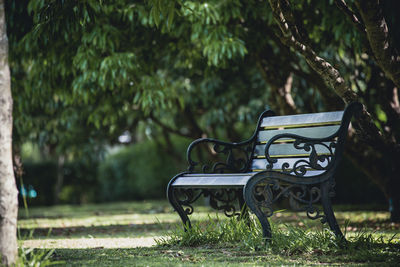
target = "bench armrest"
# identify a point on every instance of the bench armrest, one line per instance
(300, 167)
(237, 156)
(333, 145)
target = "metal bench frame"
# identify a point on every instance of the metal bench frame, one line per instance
(231, 181)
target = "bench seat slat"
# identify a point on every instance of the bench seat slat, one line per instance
(221, 180)
(312, 132)
(313, 118)
(212, 181)
(214, 174)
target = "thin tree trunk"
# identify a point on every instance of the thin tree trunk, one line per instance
(8, 190)
(281, 96)
(60, 178)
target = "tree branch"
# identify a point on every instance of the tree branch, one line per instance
(387, 56)
(280, 87)
(168, 128)
(341, 4)
(330, 98)
(330, 75)
(285, 93)
(366, 128)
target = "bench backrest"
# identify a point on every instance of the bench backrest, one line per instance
(289, 159)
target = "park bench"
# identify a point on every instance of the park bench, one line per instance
(292, 156)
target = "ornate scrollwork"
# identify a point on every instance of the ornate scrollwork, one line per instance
(315, 161)
(186, 197)
(220, 199)
(237, 156)
(301, 197)
(224, 199)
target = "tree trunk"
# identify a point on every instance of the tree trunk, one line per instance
(394, 202)
(392, 187)
(60, 179)
(8, 190)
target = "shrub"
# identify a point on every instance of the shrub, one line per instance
(139, 171)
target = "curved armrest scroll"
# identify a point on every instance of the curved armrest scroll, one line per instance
(333, 145)
(314, 160)
(237, 155)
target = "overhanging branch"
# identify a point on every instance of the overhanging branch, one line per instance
(341, 4)
(387, 56)
(331, 76)
(168, 128)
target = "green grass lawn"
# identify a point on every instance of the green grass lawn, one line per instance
(123, 234)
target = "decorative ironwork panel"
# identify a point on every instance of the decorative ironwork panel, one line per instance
(224, 199)
(314, 161)
(186, 197)
(237, 157)
(301, 197)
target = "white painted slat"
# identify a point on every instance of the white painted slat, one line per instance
(213, 181)
(312, 132)
(313, 118)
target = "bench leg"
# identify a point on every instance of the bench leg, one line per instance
(260, 207)
(171, 194)
(328, 211)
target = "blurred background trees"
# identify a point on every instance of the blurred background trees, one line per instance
(90, 77)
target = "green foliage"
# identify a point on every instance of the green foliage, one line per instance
(121, 62)
(108, 61)
(140, 171)
(205, 56)
(83, 72)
